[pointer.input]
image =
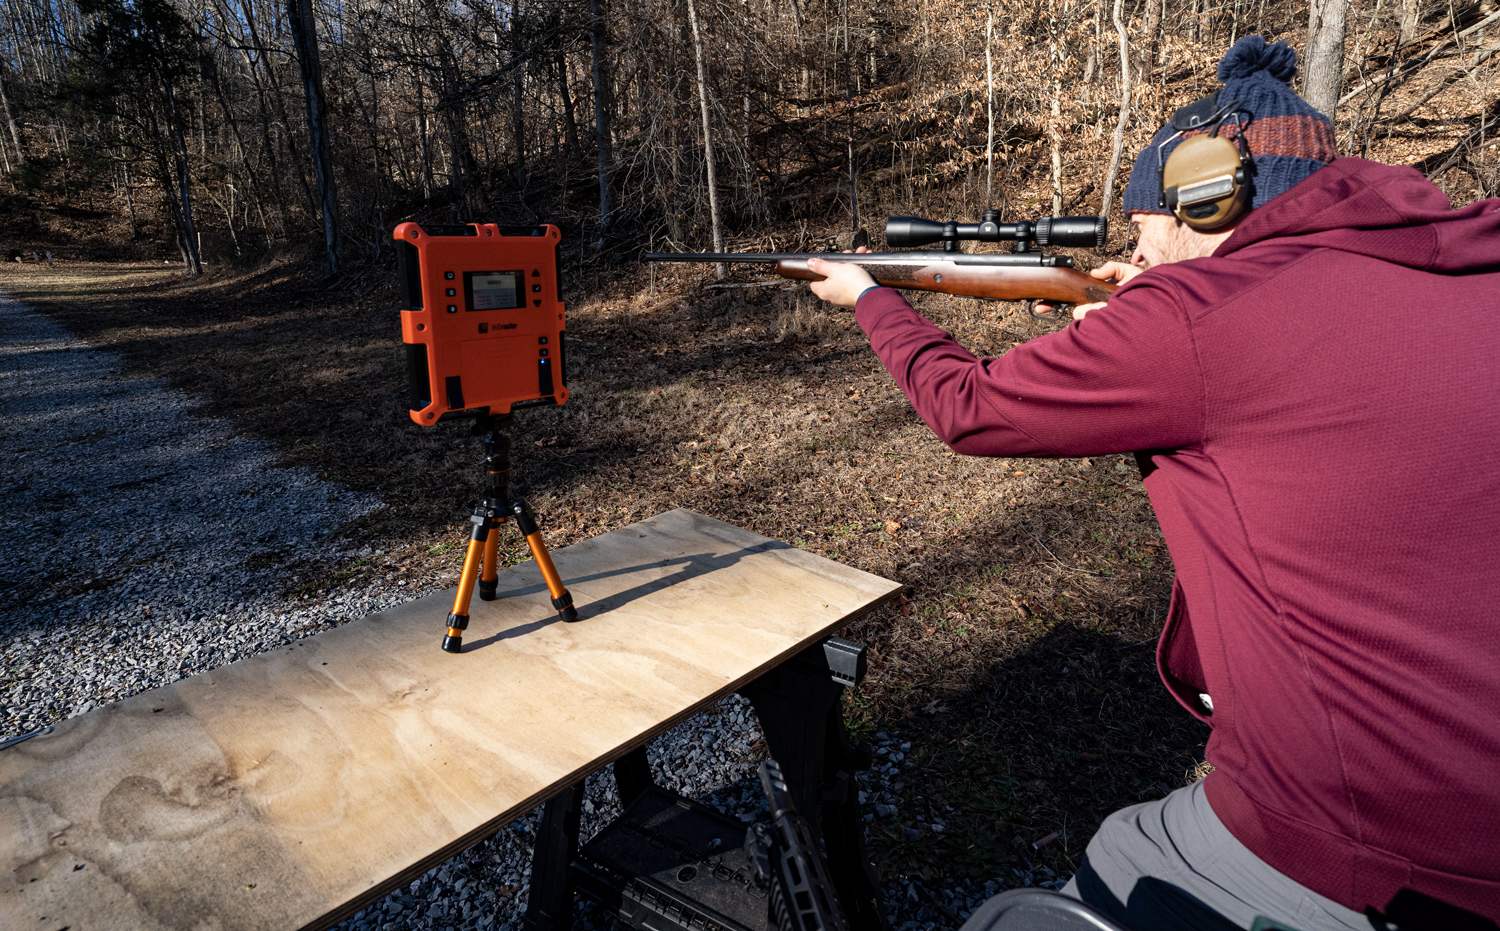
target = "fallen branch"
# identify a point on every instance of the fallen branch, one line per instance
(748, 284)
(1444, 84)
(1408, 67)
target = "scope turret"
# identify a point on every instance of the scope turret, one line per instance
(1088, 232)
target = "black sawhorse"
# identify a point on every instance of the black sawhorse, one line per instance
(798, 707)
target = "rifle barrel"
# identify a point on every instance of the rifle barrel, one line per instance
(756, 257)
(907, 257)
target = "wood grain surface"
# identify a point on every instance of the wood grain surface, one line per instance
(287, 790)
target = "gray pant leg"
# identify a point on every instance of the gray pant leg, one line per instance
(1171, 865)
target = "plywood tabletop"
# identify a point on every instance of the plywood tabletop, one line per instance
(287, 790)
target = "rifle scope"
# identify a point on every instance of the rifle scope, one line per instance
(1048, 231)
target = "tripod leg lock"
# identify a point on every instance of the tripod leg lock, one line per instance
(525, 520)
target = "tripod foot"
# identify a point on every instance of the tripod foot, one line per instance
(487, 589)
(454, 641)
(564, 605)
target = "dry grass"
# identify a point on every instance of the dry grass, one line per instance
(1021, 665)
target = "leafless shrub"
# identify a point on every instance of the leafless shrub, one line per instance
(804, 319)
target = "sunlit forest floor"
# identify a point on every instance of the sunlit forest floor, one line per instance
(1020, 666)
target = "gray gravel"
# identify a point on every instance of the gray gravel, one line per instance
(141, 542)
(130, 528)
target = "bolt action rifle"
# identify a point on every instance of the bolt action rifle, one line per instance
(1025, 274)
(788, 863)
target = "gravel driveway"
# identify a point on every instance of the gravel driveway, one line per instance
(130, 527)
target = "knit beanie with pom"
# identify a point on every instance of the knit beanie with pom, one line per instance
(1287, 139)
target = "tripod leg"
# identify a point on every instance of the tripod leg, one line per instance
(491, 570)
(458, 618)
(562, 600)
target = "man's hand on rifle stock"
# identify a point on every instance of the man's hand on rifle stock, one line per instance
(1113, 272)
(843, 282)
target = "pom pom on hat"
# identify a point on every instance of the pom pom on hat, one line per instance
(1252, 55)
(1287, 138)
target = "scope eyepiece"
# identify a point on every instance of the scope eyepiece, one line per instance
(1089, 232)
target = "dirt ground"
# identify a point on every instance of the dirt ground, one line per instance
(1021, 665)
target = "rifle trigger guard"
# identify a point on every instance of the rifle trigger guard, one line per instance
(1059, 315)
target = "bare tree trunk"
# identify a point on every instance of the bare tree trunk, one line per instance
(570, 121)
(517, 88)
(804, 88)
(601, 116)
(745, 93)
(129, 200)
(183, 201)
(210, 70)
(708, 144)
(453, 107)
(462, 167)
(376, 210)
(424, 141)
(305, 36)
(1118, 147)
(1325, 55)
(10, 122)
(1152, 30)
(1096, 56)
(278, 99)
(849, 127)
(269, 142)
(1057, 193)
(1054, 55)
(1407, 21)
(989, 143)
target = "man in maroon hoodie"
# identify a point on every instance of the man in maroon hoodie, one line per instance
(1313, 394)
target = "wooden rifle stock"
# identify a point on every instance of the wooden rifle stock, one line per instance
(1026, 276)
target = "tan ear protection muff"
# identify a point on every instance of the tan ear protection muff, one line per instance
(1205, 182)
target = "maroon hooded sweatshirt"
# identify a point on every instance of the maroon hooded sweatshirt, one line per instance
(1317, 410)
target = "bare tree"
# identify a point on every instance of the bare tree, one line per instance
(1409, 17)
(1151, 31)
(305, 36)
(139, 60)
(601, 115)
(1325, 55)
(10, 119)
(989, 83)
(708, 141)
(1118, 147)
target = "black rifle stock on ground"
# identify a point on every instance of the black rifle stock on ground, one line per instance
(1022, 275)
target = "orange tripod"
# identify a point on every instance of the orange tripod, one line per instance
(495, 507)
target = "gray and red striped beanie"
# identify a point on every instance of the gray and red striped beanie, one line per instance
(1287, 139)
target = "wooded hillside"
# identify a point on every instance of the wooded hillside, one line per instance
(233, 128)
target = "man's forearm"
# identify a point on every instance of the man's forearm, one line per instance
(939, 377)
(1123, 380)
